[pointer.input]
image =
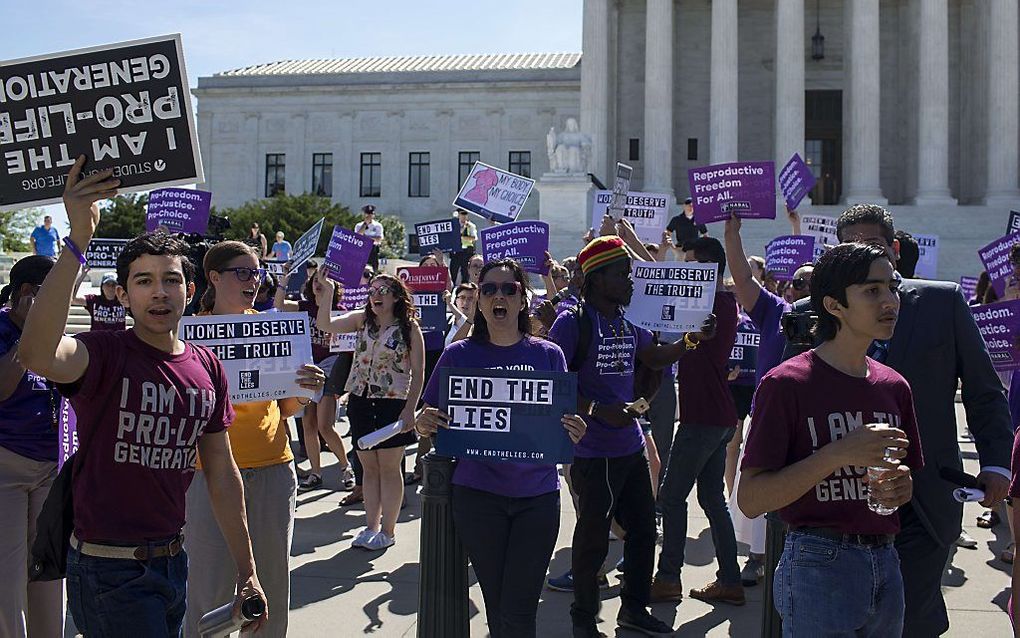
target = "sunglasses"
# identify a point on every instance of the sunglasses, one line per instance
(246, 274)
(368, 274)
(509, 289)
(381, 290)
(800, 283)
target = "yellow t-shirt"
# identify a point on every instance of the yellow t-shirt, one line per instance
(258, 436)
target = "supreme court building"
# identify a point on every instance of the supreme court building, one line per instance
(909, 103)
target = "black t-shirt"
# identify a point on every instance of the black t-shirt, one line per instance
(685, 229)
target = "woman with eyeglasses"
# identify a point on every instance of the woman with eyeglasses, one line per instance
(261, 450)
(506, 514)
(28, 463)
(319, 417)
(384, 385)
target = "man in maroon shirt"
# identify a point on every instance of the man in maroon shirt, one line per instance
(821, 419)
(708, 419)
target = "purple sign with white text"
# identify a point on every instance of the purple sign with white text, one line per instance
(995, 257)
(784, 255)
(999, 324)
(745, 188)
(346, 256)
(795, 181)
(67, 426)
(969, 287)
(179, 210)
(526, 242)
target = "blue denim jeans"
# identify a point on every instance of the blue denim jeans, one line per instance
(112, 597)
(828, 589)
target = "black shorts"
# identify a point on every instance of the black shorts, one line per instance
(742, 397)
(368, 415)
(336, 378)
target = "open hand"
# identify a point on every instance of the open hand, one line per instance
(311, 377)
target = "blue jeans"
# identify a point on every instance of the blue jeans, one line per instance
(831, 589)
(698, 456)
(118, 597)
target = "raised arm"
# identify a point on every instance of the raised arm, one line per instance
(280, 301)
(627, 233)
(745, 287)
(77, 299)
(348, 322)
(44, 349)
(794, 218)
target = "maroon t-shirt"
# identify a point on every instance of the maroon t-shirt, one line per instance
(140, 414)
(107, 314)
(803, 405)
(705, 397)
(320, 339)
(1014, 485)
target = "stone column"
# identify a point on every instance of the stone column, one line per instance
(1003, 114)
(723, 121)
(864, 82)
(789, 83)
(595, 70)
(933, 105)
(658, 136)
(255, 181)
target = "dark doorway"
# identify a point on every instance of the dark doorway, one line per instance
(823, 144)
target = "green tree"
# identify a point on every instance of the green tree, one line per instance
(17, 225)
(123, 216)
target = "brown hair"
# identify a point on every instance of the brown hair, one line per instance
(216, 259)
(403, 305)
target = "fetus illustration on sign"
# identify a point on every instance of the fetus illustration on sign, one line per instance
(484, 180)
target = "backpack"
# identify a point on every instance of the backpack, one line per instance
(647, 381)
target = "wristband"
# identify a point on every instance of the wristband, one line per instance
(75, 250)
(591, 408)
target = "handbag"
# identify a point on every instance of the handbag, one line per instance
(53, 528)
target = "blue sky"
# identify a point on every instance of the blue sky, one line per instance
(226, 35)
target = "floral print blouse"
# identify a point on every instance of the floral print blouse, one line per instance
(382, 364)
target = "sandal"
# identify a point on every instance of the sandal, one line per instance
(355, 497)
(1007, 554)
(411, 479)
(988, 519)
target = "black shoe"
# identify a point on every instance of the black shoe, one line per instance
(310, 482)
(582, 631)
(643, 622)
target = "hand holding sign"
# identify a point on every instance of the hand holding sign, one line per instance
(311, 377)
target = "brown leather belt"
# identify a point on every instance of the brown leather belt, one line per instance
(162, 549)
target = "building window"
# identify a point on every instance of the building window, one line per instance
(635, 150)
(371, 174)
(276, 173)
(692, 148)
(465, 160)
(520, 163)
(418, 175)
(322, 174)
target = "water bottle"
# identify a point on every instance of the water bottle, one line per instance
(874, 474)
(222, 622)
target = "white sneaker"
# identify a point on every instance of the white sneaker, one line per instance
(381, 540)
(363, 538)
(966, 541)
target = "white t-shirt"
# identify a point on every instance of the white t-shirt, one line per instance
(373, 230)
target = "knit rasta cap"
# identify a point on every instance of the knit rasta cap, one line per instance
(601, 252)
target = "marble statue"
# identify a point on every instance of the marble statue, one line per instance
(569, 150)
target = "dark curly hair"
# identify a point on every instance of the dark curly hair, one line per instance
(403, 305)
(867, 214)
(480, 330)
(159, 242)
(837, 269)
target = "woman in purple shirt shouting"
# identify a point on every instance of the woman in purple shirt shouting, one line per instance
(507, 514)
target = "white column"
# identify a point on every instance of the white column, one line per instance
(864, 83)
(658, 137)
(790, 83)
(723, 121)
(933, 105)
(1003, 114)
(595, 69)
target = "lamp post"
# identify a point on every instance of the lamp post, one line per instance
(818, 40)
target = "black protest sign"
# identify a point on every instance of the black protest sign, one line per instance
(443, 234)
(124, 106)
(1014, 222)
(103, 253)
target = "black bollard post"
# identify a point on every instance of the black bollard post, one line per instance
(775, 538)
(443, 584)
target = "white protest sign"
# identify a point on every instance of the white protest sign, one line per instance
(261, 353)
(822, 228)
(621, 187)
(304, 247)
(928, 261)
(342, 341)
(494, 193)
(672, 296)
(648, 213)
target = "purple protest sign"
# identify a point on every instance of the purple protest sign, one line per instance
(354, 298)
(784, 255)
(969, 287)
(526, 242)
(999, 324)
(745, 188)
(346, 256)
(179, 210)
(67, 425)
(795, 181)
(995, 257)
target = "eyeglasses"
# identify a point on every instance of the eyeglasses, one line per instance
(509, 289)
(381, 290)
(800, 283)
(245, 274)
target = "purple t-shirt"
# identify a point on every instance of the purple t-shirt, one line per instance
(509, 478)
(606, 376)
(767, 312)
(26, 417)
(803, 405)
(140, 414)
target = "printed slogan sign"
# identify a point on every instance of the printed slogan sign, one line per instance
(745, 188)
(178, 210)
(822, 228)
(305, 246)
(928, 261)
(672, 296)
(995, 257)
(969, 287)
(784, 255)
(123, 106)
(1014, 222)
(346, 256)
(745, 350)
(67, 426)
(442, 234)
(795, 181)
(618, 196)
(103, 253)
(999, 324)
(261, 353)
(427, 284)
(494, 193)
(648, 213)
(525, 242)
(506, 415)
